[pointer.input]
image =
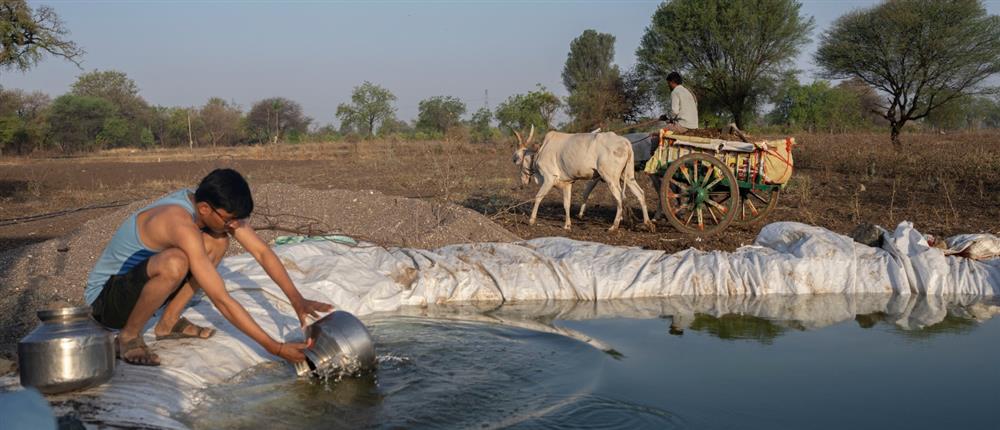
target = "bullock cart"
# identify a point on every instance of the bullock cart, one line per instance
(708, 184)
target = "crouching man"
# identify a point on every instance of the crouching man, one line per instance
(165, 252)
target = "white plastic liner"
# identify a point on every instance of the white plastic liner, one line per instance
(792, 272)
(787, 258)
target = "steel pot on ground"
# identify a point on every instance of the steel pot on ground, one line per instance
(68, 351)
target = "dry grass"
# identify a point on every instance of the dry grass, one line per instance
(971, 161)
(947, 181)
(946, 184)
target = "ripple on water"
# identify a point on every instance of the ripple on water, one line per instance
(437, 374)
(593, 412)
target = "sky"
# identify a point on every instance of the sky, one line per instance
(181, 53)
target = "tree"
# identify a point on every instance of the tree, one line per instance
(966, 113)
(115, 133)
(347, 129)
(520, 111)
(596, 93)
(987, 113)
(23, 125)
(326, 133)
(868, 101)
(597, 103)
(22, 104)
(637, 94)
(370, 105)
(77, 121)
(991, 113)
(732, 52)
(921, 54)
(589, 59)
(816, 107)
(115, 87)
(440, 113)
(26, 35)
(392, 126)
(169, 125)
(275, 119)
(220, 122)
(122, 92)
(480, 126)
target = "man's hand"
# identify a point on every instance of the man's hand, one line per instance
(293, 351)
(311, 308)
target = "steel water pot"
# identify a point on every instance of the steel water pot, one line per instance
(67, 352)
(339, 340)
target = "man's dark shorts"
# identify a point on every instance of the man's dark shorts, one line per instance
(120, 294)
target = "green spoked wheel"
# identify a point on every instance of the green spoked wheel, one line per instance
(755, 205)
(699, 195)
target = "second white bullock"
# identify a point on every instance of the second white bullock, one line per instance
(565, 158)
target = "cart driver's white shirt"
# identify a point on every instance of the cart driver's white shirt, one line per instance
(683, 105)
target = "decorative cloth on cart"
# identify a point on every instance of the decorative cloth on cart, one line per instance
(778, 161)
(768, 162)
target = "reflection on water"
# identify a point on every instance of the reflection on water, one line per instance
(732, 327)
(772, 362)
(748, 327)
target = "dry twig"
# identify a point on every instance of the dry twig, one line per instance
(30, 218)
(507, 209)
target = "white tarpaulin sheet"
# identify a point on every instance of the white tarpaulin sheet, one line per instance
(777, 277)
(787, 258)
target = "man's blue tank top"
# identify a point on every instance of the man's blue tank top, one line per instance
(125, 250)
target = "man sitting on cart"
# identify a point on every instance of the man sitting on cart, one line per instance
(683, 107)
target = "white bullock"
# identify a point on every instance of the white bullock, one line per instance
(643, 145)
(566, 158)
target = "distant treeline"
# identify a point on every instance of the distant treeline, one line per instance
(104, 110)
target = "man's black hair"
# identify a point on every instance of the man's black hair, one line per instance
(227, 190)
(675, 78)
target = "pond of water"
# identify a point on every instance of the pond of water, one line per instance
(833, 362)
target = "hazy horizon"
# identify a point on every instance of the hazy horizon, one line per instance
(181, 53)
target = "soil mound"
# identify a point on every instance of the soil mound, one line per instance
(54, 273)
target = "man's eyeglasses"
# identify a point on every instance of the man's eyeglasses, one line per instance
(225, 221)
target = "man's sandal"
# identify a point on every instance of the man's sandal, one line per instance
(180, 331)
(145, 358)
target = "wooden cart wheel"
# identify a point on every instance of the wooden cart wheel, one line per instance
(699, 194)
(755, 205)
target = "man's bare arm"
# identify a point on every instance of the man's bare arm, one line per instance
(269, 261)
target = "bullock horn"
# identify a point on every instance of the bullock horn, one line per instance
(531, 134)
(520, 141)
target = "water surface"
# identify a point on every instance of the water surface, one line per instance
(791, 362)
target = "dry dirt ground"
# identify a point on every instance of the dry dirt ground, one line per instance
(57, 213)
